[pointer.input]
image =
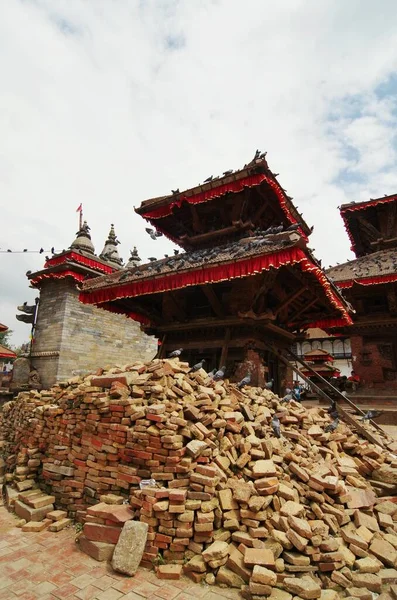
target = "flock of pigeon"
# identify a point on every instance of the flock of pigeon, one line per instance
(258, 156)
(232, 250)
(378, 263)
(218, 374)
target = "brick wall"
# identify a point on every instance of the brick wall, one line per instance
(78, 338)
(373, 360)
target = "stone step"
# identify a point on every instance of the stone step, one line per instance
(31, 514)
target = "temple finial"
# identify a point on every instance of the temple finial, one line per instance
(110, 253)
(83, 240)
(134, 259)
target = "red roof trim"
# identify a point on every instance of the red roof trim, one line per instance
(76, 276)
(79, 258)
(368, 203)
(359, 207)
(221, 190)
(380, 279)
(219, 273)
(132, 315)
(6, 352)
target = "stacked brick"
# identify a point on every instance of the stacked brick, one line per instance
(230, 502)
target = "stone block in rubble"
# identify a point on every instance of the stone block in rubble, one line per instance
(386, 507)
(259, 556)
(292, 508)
(216, 551)
(130, 547)
(97, 550)
(369, 581)
(169, 571)
(263, 576)
(59, 469)
(111, 499)
(195, 448)
(388, 576)
(57, 515)
(112, 512)
(263, 468)
(39, 501)
(31, 514)
(27, 484)
(305, 587)
(229, 578)
(383, 550)
(59, 525)
(36, 526)
(102, 533)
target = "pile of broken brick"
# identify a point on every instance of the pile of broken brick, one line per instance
(163, 465)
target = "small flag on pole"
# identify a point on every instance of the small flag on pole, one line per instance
(80, 208)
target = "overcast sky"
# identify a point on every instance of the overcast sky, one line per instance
(109, 103)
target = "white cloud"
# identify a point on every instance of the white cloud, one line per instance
(109, 103)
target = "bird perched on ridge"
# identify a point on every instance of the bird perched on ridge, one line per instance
(276, 426)
(293, 227)
(245, 381)
(220, 373)
(371, 414)
(197, 366)
(269, 384)
(278, 229)
(210, 178)
(175, 191)
(176, 353)
(332, 426)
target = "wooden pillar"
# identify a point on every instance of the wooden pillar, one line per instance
(161, 353)
(225, 349)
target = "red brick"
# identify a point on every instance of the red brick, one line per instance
(102, 533)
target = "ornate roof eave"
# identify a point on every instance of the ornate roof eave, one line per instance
(347, 212)
(258, 167)
(83, 258)
(70, 269)
(106, 290)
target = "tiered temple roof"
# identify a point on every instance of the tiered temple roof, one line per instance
(246, 264)
(80, 262)
(224, 207)
(372, 225)
(376, 268)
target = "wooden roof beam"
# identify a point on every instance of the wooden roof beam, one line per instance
(372, 232)
(209, 235)
(209, 323)
(290, 299)
(196, 221)
(177, 305)
(213, 299)
(302, 310)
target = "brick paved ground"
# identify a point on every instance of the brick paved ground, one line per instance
(49, 566)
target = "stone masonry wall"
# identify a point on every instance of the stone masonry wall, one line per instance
(72, 338)
(373, 362)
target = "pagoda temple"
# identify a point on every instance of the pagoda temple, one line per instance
(369, 283)
(70, 338)
(321, 362)
(246, 276)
